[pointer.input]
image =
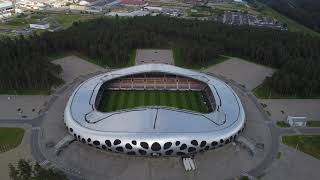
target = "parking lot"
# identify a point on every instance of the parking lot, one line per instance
(243, 72)
(164, 56)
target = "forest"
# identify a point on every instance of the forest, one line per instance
(109, 41)
(306, 12)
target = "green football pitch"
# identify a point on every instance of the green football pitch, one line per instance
(114, 100)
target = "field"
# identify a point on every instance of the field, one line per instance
(292, 25)
(10, 138)
(313, 123)
(119, 100)
(306, 144)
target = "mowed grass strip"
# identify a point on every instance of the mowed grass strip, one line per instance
(163, 98)
(119, 100)
(309, 144)
(10, 138)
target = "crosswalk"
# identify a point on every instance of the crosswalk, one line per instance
(36, 128)
(43, 163)
(188, 164)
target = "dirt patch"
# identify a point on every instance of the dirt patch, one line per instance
(74, 67)
(144, 56)
(243, 72)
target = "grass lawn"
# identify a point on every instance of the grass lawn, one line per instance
(282, 124)
(178, 55)
(119, 100)
(292, 25)
(265, 92)
(10, 138)
(305, 143)
(313, 123)
(66, 20)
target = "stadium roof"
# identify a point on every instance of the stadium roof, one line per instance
(154, 119)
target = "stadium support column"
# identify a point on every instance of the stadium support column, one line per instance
(177, 82)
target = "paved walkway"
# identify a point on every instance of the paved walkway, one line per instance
(14, 155)
(246, 73)
(259, 169)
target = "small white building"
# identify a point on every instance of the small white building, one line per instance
(297, 121)
(40, 25)
(6, 9)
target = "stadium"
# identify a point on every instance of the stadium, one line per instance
(154, 110)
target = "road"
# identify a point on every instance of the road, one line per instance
(275, 132)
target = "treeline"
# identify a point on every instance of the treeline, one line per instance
(24, 67)
(306, 12)
(109, 42)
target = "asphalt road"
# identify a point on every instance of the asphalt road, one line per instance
(275, 132)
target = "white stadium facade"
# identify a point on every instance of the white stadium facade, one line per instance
(155, 130)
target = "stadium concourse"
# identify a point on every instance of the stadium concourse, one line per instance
(155, 129)
(81, 161)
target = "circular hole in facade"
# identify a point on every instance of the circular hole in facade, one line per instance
(97, 143)
(167, 145)
(120, 149)
(169, 152)
(134, 142)
(142, 152)
(221, 140)
(177, 143)
(89, 140)
(128, 146)
(214, 143)
(71, 130)
(131, 153)
(194, 142)
(183, 146)
(203, 143)
(83, 140)
(206, 148)
(191, 149)
(104, 147)
(108, 143)
(155, 146)
(144, 145)
(227, 141)
(116, 142)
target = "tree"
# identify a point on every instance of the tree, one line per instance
(26, 171)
